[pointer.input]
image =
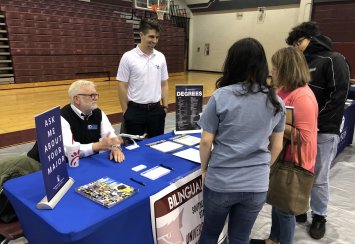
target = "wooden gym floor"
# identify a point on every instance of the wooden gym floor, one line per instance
(20, 103)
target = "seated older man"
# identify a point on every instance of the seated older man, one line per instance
(83, 122)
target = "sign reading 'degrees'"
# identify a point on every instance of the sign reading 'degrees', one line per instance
(51, 151)
(189, 99)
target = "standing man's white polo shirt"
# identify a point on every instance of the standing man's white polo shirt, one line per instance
(144, 75)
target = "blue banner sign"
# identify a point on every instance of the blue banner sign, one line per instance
(51, 151)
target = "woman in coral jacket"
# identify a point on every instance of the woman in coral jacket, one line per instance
(291, 75)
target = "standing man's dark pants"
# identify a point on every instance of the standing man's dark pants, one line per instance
(145, 118)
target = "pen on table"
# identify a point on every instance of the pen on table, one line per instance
(165, 166)
(139, 182)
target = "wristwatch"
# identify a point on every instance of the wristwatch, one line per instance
(116, 146)
(165, 107)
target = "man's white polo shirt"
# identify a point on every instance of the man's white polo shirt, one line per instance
(144, 75)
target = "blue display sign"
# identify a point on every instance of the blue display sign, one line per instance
(189, 99)
(51, 151)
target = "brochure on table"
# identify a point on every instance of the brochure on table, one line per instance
(51, 154)
(189, 101)
(106, 191)
(177, 212)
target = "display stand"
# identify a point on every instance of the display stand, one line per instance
(133, 138)
(189, 102)
(45, 204)
(51, 154)
(133, 146)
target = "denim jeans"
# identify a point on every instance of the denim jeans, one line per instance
(242, 207)
(282, 226)
(326, 151)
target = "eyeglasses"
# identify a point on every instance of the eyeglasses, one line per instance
(93, 95)
(298, 42)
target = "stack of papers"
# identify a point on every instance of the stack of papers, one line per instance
(165, 146)
(155, 173)
(187, 140)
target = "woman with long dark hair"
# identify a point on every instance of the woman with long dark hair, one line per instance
(244, 121)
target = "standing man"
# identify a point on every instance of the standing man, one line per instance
(330, 84)
(143, 82)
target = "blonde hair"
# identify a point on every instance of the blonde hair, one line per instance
(75, 88)
(291, 68)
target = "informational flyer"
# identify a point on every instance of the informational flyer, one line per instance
(187, 140)
(177, 212)
(191, 154)
(155, 173)
(51, 151)
(189, 101)
(164, 145)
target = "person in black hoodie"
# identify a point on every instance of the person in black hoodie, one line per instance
(330, 84)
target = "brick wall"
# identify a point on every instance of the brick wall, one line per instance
(57, 39)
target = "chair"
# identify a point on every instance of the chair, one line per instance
(10, 231)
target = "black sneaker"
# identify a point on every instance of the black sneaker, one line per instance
(302, 218)
(317, 229)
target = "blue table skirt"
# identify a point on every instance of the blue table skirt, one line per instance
(346, 136)
(351, 94)
(77, 219)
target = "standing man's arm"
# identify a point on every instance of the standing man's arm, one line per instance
(164, 84)
(122, 95)
(123, 76)
(165, 93)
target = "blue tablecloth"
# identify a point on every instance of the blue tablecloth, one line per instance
(347, 134)
(351, 94)
(77, 219)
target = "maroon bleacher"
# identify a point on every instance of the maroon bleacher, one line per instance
(64, 39)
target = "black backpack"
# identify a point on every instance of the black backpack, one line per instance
(7, 212)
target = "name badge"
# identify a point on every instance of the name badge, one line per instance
(93, 127)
